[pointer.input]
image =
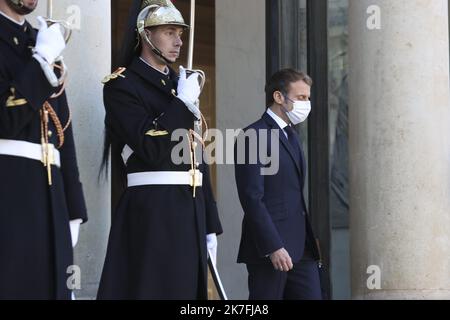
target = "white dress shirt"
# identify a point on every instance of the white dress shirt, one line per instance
(281, 123)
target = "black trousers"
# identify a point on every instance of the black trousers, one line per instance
(301, 283)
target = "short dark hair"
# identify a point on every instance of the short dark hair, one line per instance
(282, 80)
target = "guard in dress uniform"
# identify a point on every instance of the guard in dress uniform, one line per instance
(41, 198)
(167, 217)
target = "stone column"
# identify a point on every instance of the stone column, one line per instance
(88, 57)
(400, 148)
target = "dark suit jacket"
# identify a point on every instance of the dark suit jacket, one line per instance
(275, 210)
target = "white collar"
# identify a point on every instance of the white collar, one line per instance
(164, 73)
(281, 123)
(11, 19)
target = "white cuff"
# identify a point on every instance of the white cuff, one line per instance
(211, 244)
(193, 107)
(48, 70)
(75, 230)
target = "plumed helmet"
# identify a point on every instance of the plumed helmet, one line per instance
(159, 13)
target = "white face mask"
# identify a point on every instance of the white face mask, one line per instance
(300, 112)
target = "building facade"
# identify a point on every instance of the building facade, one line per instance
(377, 140)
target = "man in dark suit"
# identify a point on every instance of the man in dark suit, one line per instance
(277, 244)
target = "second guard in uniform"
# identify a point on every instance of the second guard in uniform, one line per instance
(41, 198)
(158, 241)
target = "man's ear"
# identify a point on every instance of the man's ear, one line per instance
(278, 97)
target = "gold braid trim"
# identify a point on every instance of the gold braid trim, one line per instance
(56, 122)
(59, 128)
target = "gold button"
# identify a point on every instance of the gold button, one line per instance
(16, 41)
(163, 82)
(50, 134)
(174, 92)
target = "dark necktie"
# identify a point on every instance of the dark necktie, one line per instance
(293, 141)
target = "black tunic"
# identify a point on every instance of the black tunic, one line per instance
(35, 241)
(157, 244)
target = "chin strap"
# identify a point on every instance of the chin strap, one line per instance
(159, 53)
(19, 7)
(18, 3)
(155, 50)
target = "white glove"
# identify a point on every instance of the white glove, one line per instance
(189, 91)
(75, 231)
(50, 41)
(211, 244)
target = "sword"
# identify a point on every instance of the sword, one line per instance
(66, 27)
(190, 58)
(198, 131)
(190, 61)
(66, 31)
(50, 9)
(198, 127)
(216, 278)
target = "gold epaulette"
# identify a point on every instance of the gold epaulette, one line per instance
(114, 75)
